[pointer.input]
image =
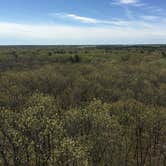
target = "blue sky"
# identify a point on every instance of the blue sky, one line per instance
(82, 21)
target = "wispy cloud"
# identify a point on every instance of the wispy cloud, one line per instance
(131, 21)
(150, 17)
(138, 3)
(83, 19)
(65, 34)
(135, 3)
(135, 29)
(76, 17)
(128, 1)
(136, 16)
(153, 9)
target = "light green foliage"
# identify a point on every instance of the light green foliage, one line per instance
(83, 106)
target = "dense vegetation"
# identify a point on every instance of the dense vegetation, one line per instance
(83, 106)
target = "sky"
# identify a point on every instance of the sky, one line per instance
(52, 22)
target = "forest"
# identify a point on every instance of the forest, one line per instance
(102, 105)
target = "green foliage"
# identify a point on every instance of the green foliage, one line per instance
(83, 106)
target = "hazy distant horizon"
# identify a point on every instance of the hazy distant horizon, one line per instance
(78, 45)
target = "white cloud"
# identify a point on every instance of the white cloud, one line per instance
(153, 9)
(136, 32)
(132, 21)
(82, 19)
(128, 1)
(88, 20)
(79, 18)
(135, 3)
(75, 17)
(150, 17)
